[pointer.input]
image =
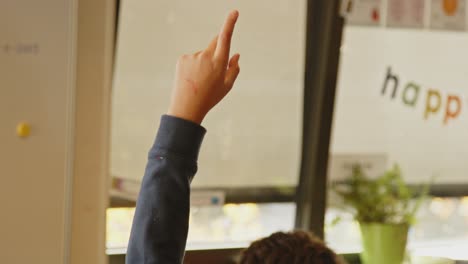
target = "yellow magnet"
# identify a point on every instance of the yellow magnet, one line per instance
(23, 130)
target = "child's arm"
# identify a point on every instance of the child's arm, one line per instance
(160, 225)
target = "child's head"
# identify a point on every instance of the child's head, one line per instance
(289, 248)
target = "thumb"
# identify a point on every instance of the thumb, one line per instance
(232, 71)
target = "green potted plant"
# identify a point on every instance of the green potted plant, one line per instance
(385, 209)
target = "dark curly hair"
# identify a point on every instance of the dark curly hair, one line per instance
(296, 247)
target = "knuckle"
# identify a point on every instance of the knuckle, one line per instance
(220, 62)
(219, 68)
(182, 58)
(205, 55)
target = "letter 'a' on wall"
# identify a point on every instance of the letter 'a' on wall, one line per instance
(403, 94)
(254, 135)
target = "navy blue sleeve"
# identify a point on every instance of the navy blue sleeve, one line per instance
(160, 225)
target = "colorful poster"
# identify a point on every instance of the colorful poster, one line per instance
(365, 12)
(448, 14)
(405, 13)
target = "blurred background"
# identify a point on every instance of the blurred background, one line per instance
(325, 85)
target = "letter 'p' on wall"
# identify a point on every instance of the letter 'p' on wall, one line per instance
(453, 108)
(433, 103)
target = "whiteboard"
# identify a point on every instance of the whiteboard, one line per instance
(37, 45)
(254, 135)
(365, 121)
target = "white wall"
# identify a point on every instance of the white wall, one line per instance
(36, 86)
(55, 69)
(95, 50)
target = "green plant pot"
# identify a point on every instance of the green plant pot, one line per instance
(383, 243)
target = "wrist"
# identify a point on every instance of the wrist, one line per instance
(191, 116)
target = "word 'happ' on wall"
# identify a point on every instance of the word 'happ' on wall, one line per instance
(434, 102)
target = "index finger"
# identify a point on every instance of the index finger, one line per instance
(224, 38)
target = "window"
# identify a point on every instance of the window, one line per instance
(401, 99)
(252, 148)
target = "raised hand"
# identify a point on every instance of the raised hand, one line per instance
(204, 78)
